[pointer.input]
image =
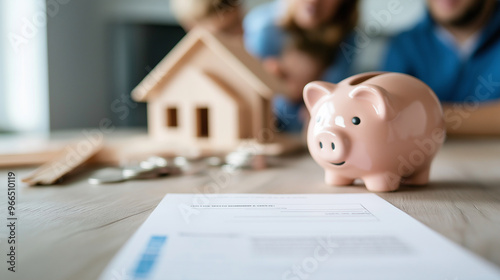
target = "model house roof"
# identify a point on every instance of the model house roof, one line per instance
(229, 49)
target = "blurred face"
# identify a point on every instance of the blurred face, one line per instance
(295, 69)
(456, 12)
(309, 14)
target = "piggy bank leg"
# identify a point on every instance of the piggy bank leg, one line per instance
(420, 177)
(333, 179)
(382, 182)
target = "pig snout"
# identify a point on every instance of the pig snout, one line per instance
(331, 147)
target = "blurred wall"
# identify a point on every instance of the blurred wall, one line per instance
(77, 64)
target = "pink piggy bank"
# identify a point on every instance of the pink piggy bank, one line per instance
(382, 127)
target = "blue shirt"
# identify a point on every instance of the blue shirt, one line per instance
(422, 52)
(265, 38)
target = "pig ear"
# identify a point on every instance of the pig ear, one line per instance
(378, 97)
(313, 91)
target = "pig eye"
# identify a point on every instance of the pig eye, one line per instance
(320, 145)
(356, 121)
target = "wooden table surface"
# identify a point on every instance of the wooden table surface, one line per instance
(72, 230)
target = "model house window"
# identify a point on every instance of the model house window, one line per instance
(172, 117)
(202, 122)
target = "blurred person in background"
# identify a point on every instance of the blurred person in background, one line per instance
(455, 49)
(298, 40)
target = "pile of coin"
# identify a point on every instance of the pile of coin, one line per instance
(157, 166)
(151, 168)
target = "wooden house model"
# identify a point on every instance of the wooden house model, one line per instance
(208, 93)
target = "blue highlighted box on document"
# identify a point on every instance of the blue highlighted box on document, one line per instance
(149, 257)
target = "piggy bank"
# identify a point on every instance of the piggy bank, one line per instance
(384, 128)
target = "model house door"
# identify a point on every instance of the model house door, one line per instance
(202, 122)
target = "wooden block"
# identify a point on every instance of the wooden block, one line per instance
(69, 158)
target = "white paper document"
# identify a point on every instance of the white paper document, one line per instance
(289, 237)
